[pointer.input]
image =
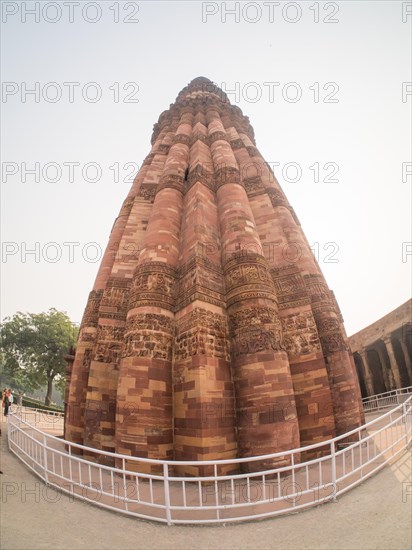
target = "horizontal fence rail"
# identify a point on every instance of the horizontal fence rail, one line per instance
(386, 400)
(219, 491)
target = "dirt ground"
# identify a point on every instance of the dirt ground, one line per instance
(375, 515)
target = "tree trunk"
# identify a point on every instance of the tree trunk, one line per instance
(47, 401)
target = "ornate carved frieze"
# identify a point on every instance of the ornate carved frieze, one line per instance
(109, 342)
(151, 322)
(245, 128)
(108, 352)
(277, 198)
(201, 296)
(127, 206)
(287, 282)
(147, 191)
(200, 279)
(109, 332)
(201, 332)
(248, 317)
(87, 336)
(172, 181)
(113, 304)
(253, 186)
(201, 259)
(226, 174)
(163, 149)
(246, 277)
(294, 303)
(299, 333)
(318, 291)
(336, 306)
(246, 274)
(198, 137)
(87, 357)
(290, 287)
(330, 332)
(201, 173)
(242, 269)
(215, 137)
(327, 325)
(253, 152)
(255, 339)
(91, 314)
(197, 286)
(255, 329)
(327, 318)
(153, 282)
(149, 335)
(181, 138)
(237, 144)
(332, 343)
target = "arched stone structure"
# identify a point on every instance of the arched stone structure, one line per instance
(383, 352)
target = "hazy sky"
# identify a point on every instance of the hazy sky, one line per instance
(336, 119)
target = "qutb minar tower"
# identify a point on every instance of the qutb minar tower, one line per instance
(210, 332)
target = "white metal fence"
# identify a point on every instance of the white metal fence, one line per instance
(386, 400)
(218, 497)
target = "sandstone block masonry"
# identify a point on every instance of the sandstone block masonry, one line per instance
(383, 352)
(207, 342)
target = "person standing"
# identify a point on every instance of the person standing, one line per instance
(11, 398)
(5, 402)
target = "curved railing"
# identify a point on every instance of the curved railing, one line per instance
(304, 477)
(386, 400)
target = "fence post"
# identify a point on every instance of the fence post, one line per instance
(407, 414)
(167, 493)
(46, 474)
(9, 428)
(125, 502)
(333, 455)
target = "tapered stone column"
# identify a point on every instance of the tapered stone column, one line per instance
(210, 331)
(343, 379)
(407, 358)
(122, 248)
(75, 421)
(386, 372)
(393, 362)
(144, 421)
(367, 370)
(266, 408)
(289, 256)
(100, 409)
(204, 412)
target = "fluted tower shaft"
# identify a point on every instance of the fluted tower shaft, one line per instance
(202, 339)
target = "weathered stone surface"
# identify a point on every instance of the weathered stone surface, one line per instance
(210, 332)
(383, 352)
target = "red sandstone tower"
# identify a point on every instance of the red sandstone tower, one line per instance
(210, 332)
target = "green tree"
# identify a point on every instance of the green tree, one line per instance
(33, 346)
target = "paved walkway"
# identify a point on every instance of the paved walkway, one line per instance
(375, 515)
